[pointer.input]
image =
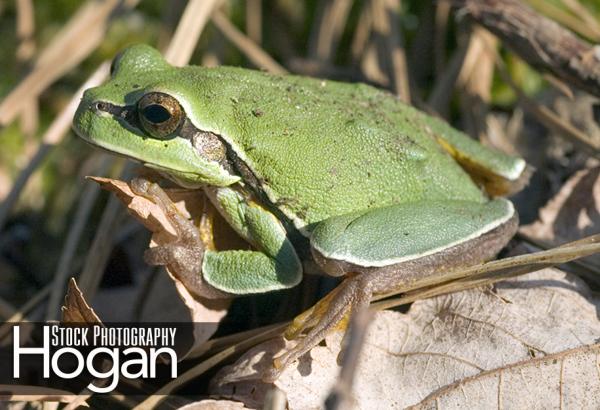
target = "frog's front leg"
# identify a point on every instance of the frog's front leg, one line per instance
(384, 249)
(210, 273)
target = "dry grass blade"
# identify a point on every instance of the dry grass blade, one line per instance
(386, 16)
(215, 345)
(579, 267)
(6, 309)
(84, 208)
(72, 44)
(189, 28)
(327, 31)
(53, 135)
(560, 86)
(362, 33)
(491, 272)
(25, 53)
(439, 98)
(442, 14)
(19, 316)
(254, 20)
(475, 82)
(582, 24)
(549, 118)
(25, 29)
(250, 49)
(36, 394)
(584, 14)
(202, 367)
(365, 47)
(98, 254)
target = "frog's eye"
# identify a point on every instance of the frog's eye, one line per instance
(160, 114)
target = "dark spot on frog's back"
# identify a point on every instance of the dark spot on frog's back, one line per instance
(257, 112)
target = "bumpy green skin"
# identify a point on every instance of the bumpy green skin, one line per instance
(318, 148)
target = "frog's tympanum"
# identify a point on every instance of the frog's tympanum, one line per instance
(307, 171)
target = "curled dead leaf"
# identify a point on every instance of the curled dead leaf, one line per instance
(488, 332)
(76, 309)
(192, 204)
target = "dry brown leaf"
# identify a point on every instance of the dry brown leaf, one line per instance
(144, 210)
(448, 339)
(76, 309)
(214, 405)
(564, 380)
(205, 314)
(573, 213)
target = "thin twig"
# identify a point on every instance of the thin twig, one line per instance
(491, 272)
(340, 396)
(55, 134)
(539, 41)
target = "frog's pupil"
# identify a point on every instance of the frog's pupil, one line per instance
(156, 113)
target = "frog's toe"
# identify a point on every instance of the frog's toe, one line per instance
(330, 313)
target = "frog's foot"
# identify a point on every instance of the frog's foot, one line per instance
(330, 313)
(183, 256)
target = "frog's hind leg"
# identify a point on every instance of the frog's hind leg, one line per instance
(389, 248)
(331, 312)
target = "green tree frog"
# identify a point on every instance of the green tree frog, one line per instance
(309, 172)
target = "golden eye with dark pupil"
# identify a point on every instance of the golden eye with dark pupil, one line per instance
(160, 114)
(156, 113)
